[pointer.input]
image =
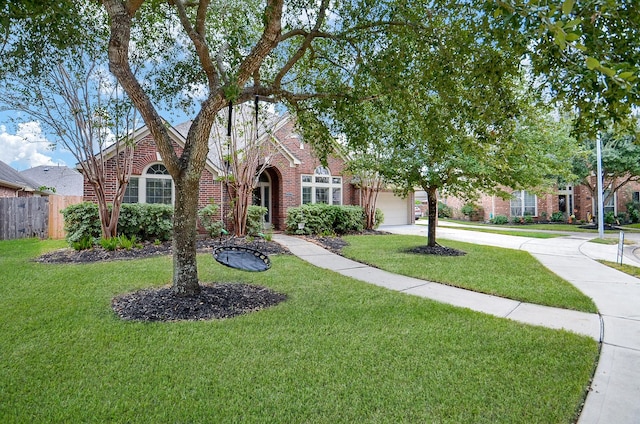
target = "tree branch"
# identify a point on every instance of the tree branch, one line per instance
(197, 36)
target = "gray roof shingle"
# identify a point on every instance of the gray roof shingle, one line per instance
(66, 181)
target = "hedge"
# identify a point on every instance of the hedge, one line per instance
(322, 219)
(140, 220)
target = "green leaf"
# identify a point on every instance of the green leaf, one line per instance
(626, 75)
(607, 71)
(572, 36)
(592, 63)
(560, 39)
(573, 23)
(567, 6)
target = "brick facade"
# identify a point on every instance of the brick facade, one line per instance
(548, 204)
(292, 159)
(8, 192)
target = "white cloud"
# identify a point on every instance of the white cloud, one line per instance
(26, 148)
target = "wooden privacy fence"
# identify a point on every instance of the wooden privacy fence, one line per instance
(22, 217)
(56, 220)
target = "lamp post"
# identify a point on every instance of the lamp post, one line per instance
(599, 186)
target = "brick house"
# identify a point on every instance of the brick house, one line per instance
(293, 176)
(569, 200)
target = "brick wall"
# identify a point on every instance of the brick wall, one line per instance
(8, 192)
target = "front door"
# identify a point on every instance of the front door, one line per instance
(565, 201)
(262, 197)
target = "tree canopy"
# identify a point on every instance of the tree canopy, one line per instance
(586, 53)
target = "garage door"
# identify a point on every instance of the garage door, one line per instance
(397, 211)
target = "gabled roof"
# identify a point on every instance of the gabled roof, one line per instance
(66, 181)
(144, 131)
(268, 125)
(11, 178)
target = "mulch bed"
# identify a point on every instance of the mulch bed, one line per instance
(215, 301)
(99, 254)
(436, 250)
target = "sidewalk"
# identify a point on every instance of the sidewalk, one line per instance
(615, 391)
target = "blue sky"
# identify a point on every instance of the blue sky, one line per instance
(26, 145)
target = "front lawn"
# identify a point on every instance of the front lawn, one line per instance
(337, 351)
(509, 273)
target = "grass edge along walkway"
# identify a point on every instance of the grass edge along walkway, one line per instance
(507, 273)
(337, 351)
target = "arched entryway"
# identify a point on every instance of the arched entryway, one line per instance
(262, 196)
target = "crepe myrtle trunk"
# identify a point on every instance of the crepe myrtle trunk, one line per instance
(185, 268)
(432, 202)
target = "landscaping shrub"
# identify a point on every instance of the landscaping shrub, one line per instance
(472, 211)
(146, 221)
(610, 218)
(82, 224)
(633, 209)
(255, 219)
(499, 220)
(321, 219)
(138, 221)
(557, 217)
(120, 242)
(378, 218)
(84, 243)
(316, 219)
(527, 219)
(109, 244)
(349, 219)
(209, 220)
(444, 211)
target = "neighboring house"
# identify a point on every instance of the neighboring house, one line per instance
(293, 176)
(13, 184)
(61, 180)
(574, 202)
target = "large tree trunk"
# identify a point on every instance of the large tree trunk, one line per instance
(432, 201)
(185, 269)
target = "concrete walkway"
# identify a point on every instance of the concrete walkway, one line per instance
(615, 392)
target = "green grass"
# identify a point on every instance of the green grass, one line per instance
(633, 271)
(610, 241)
(337, 351)
(509, 273)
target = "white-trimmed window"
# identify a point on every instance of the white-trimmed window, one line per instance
(153, 186)
(321, 187)
(523, 203)
(610, 203)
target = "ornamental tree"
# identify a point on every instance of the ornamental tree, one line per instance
(78, 102)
